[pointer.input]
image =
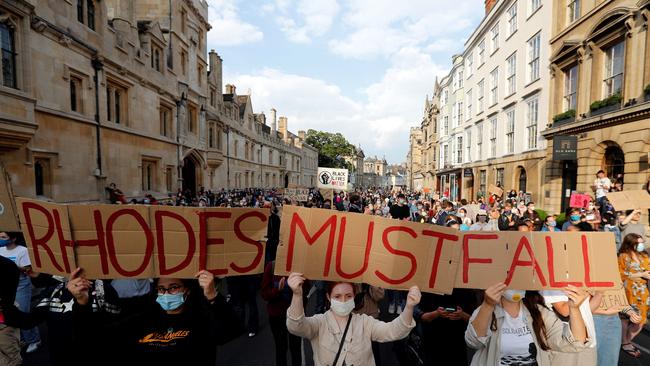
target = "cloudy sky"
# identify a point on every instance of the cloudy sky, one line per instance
(359, 67)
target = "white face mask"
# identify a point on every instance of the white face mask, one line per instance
(461, 214)
(514, 295)
(342, 308)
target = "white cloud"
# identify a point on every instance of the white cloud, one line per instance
(383, 27)
(227, 27)
(380, 123)
(311, 18)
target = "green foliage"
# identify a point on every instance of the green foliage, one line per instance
(332, 148)
(614, 99)
(542, 214)
(560, 219)
(571, 113)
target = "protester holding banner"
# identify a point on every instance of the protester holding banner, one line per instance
(278, 296)
(634, 265)
(340, 337)
(186, 322)
(9, 335)
(10, 249)
(632, 224)
(503, 331)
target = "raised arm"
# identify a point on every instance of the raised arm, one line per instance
(297, 323)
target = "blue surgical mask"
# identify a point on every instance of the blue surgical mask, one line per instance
(640, 247)
(170, 302)
(575, 217)
(552, 223)
(514, 295)
(4, 242)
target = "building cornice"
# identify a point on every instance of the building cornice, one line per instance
(614, 118)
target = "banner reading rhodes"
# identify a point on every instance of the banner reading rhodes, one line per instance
(119, 241)
(330, 245)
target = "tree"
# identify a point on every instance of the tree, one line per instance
(332, 149)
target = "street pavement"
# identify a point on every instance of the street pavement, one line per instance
(259, 350)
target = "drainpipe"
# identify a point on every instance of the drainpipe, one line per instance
(179, 169)
(97, 66)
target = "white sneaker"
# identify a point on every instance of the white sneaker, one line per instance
(251, 335)
(399, 310)
(32, 347)
(391, 309)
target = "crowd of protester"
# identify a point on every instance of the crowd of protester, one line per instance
(174, 321)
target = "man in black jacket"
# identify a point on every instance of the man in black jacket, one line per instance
(9, 336)
(508, 220)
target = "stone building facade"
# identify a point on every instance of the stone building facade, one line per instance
(374, 172)
(414, 169)
(94, 92)
(599, 87)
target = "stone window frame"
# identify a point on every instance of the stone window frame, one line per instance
(113, 85)
(150, 165)
(168, 125)
(15, 23)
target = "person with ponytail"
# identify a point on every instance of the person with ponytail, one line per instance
(504, 332)
(339, 336)
(634, 265)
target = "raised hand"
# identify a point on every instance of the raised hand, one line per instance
(493, 294)
(413, 297)
(79, 286)
(206, 281)
(576, 296)
(295, 282)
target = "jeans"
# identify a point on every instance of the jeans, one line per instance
(24, 301)
(608, 338)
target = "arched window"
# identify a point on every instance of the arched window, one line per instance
(614, 162)
(522, 179)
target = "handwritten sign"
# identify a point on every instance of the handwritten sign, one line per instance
(495, 190)
(123, 241)
(579, 200)
(297, 194)
(629, 200)
(339, 246)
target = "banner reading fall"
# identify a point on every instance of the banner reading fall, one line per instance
(120, 241)
(330, 245)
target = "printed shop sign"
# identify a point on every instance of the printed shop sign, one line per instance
(120, 241)
(333, 178)
(336, 246)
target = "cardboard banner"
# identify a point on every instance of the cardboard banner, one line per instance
(495, 190)
(612, 298)
(579, 200)
(629, 200)
(8, 217)
(136, 241)
(333, 178)
(337, 246)
(297, 194)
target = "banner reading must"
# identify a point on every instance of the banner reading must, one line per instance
(330, 245)
(119, 241)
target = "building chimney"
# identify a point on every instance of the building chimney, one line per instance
(283, 126)
(302, 134)
(274, 121)
(216, 70)
(489, 4)
(231, 89)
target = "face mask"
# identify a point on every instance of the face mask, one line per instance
(575, 217)
(514, 295)
(146, 202)
(461, 214)
(170, 302)
(4, 242)
(401, 202)
(482, 219)
(342, 308)
(507, 212)
(640, 247)
(552, 223)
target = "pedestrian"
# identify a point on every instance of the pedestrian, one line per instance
(278, 296)
(593, 216)
(272, 230)
(462, 214)
(632, 224)
(482, 223)
(367, 300)
(533, 216)
(550, 224)
(608, 329)
(634, 265)
(187, 320)
(243, 297)
(9, 335)
(10, 249)
(575, 217)
(503, 331)
(508, 219)
(601, 186)
(400, 210)
(443, 320)
(340, 337)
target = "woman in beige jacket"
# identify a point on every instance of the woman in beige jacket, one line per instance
(503, 331)
(326, 330)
